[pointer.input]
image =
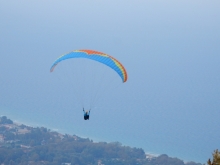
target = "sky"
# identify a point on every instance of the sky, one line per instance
(170, 49)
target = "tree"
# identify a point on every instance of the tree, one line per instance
(4, 120)
(215, 159)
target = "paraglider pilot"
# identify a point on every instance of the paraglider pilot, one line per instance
(86, 114)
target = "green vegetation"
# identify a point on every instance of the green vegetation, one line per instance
(4, 120)
(22, 145)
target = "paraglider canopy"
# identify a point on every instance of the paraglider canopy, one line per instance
(96, 56)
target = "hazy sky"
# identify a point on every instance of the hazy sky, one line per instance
(171, 50)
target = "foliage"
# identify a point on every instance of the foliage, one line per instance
(4, 120)
(165, 160)
(215, 159)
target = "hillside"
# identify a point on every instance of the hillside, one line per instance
(22, 145)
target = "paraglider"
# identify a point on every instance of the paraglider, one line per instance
(86, 114)
(98, 57)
